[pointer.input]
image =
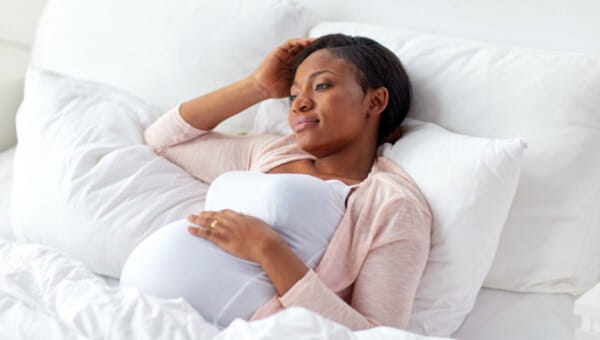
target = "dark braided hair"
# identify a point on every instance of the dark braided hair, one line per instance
(377, 66)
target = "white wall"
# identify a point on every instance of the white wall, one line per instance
(18, 20)
(553, 24)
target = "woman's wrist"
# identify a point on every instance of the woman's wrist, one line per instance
(271, 245)
(281, 264)
(254, 85)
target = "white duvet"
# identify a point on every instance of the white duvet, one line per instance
(44, 295)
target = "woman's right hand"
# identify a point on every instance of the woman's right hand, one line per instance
(273, 75)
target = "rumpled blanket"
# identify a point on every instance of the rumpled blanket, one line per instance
(46, 295)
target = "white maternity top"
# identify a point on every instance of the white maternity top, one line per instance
(171, 262)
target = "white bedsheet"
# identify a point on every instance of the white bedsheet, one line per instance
(44, 295)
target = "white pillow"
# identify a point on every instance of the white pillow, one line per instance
(548, 98)
(469, 183)
(165, 52)
(84, 181)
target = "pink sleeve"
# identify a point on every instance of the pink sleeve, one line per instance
(311, 293)
(386, 286)
(384, 290)
(383, 293)
(169, 130)
(203, 154)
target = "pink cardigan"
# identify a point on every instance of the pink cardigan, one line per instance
(370, 271)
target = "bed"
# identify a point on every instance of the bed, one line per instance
(506, 105)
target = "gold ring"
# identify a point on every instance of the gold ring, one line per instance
(213, 224)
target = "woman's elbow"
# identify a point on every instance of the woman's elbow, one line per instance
(151, 142)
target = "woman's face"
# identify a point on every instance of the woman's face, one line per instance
(328, 109)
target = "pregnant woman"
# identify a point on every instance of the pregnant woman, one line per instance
(314, 219)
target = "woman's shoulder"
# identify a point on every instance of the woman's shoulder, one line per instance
(275, 150)
(389, 185)
(389, 206)
(389, 180)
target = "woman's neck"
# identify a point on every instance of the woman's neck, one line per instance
(350, 163)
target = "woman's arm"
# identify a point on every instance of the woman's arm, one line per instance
(203, 154)
(384, 289)
(271, 79)
(175, 134)
(383, 293)
(283, 267)
(206, 112)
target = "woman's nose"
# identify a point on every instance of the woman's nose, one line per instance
(301, 104)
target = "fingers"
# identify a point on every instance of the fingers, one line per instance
(201, 232)
(230, 214)
(297, 42)
(211, 234)
(204, 219)
(224, 218)
(211, 225)
(301, 41)
(198, 219)
(294, 46)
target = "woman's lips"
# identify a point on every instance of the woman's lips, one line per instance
(301, 123)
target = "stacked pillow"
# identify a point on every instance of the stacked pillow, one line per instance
(469, 183)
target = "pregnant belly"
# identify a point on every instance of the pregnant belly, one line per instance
(172, 263)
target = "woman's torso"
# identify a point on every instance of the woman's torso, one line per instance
(305, 210)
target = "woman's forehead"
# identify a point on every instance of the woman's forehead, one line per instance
(323, 62)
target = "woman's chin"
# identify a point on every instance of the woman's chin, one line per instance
(312, 146)
(306, 143)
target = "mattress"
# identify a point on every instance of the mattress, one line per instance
(501, 315)
(497, 314)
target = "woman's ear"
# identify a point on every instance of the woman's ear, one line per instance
(379, 100)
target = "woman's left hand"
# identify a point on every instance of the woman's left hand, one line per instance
(243, 236)
(251, 239)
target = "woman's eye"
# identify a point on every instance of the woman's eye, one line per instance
(321, 86)
(292, 97)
